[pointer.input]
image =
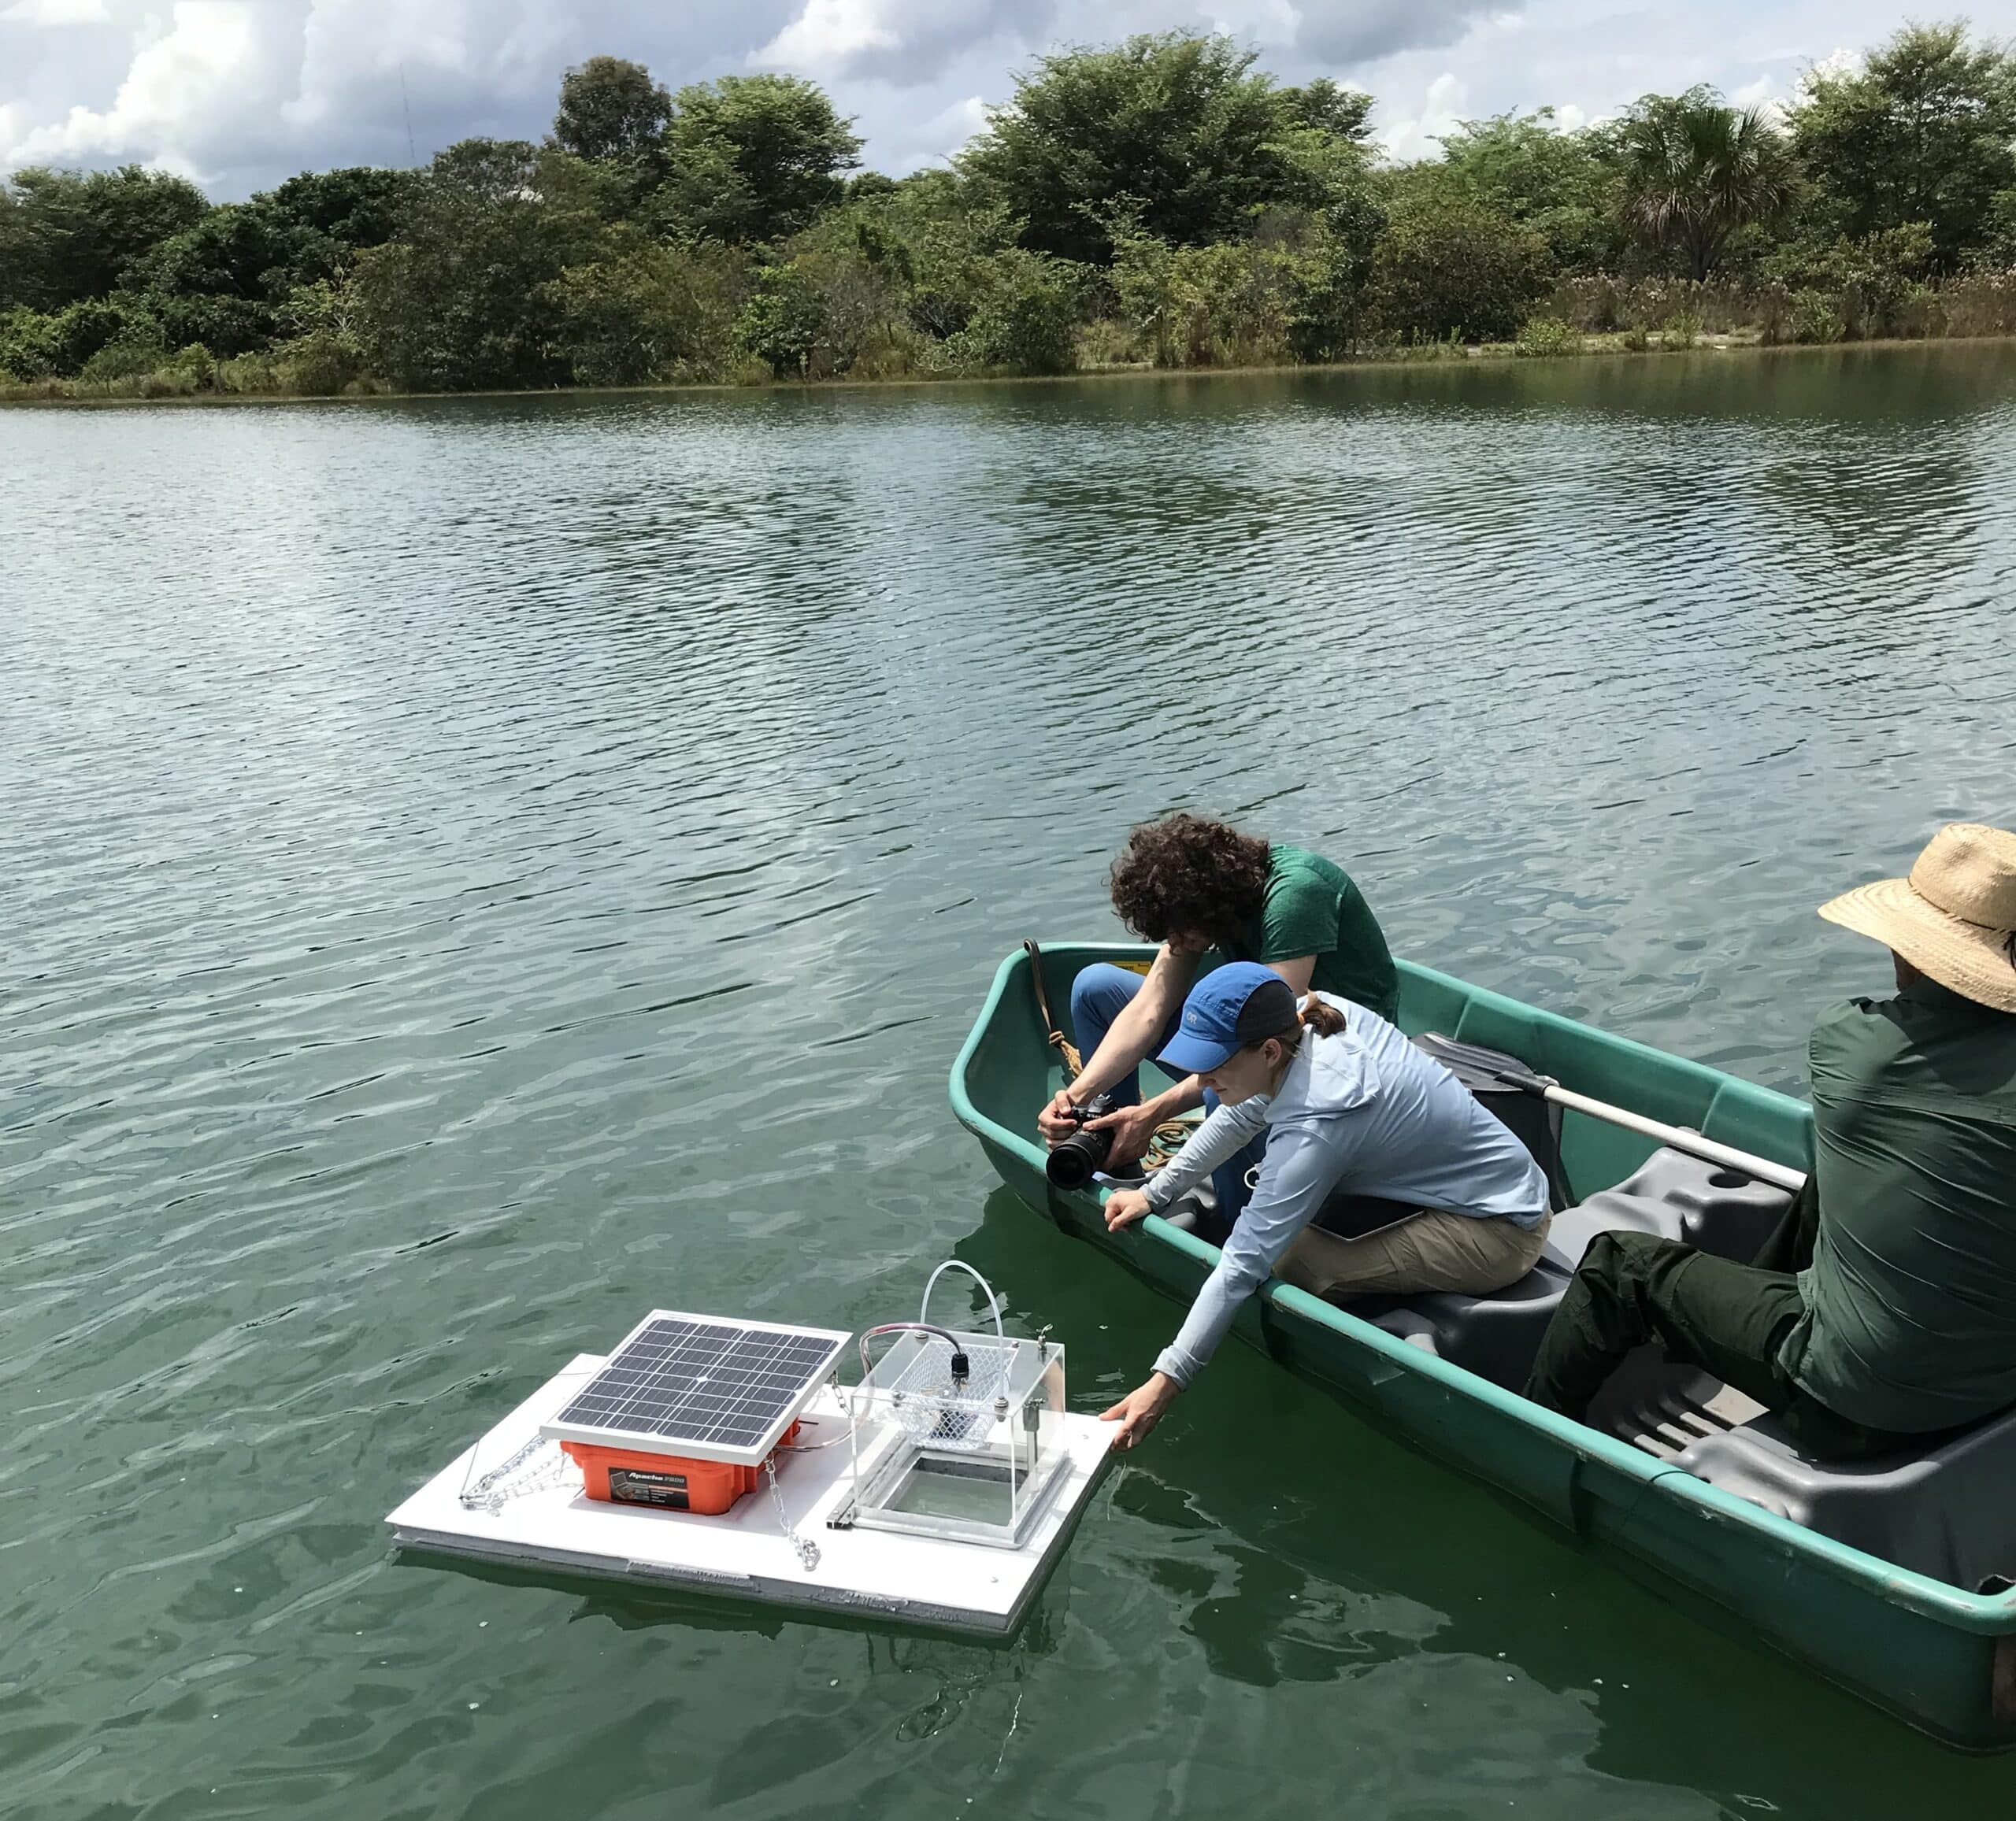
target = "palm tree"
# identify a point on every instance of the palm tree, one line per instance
(1695, 170)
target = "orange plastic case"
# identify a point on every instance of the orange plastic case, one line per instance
(667, 1482)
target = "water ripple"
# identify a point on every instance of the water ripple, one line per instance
(476, 869)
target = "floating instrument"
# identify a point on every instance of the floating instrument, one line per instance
(939, 1489)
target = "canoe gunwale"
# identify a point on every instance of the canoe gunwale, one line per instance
(1992, 1615)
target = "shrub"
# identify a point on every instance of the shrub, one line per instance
(247, 373)
(1250, 302)
(58, 346)
(815, 315)
(1443, 271)
(1982, 304)
(1028, 322)
(319, 364)
(1546, 337)
(646, 313)
(1815, 318)
(1871, 280)
(123, 360)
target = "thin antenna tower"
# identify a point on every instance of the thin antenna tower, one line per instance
(406, 106)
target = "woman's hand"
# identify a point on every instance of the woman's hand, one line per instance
(1139, 1410)
(1124, 1207)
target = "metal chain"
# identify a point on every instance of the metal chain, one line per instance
(537, 1467)
(808, 1551)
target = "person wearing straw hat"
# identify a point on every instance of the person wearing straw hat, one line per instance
(1883, 1313)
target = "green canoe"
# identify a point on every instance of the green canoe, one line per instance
(1911, 1639)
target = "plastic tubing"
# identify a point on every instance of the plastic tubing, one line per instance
(993, 1301)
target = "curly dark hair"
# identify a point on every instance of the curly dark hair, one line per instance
(1188, 876)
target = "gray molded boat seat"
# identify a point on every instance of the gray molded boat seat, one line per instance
(1677, 1196)
(1671, 1194)
(1949, 1512)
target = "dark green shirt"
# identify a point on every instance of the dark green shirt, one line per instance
(1312, 908)
(1910, 1321)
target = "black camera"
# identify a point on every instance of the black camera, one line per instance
(1073, 1162)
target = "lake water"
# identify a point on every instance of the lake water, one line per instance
(476, 870)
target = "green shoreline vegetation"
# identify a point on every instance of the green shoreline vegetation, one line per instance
(1163, 203)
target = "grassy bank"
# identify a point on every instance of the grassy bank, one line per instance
(1545, 343)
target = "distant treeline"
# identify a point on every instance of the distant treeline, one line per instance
(1163, 201)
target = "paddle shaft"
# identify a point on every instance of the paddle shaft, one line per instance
(1779, 1175)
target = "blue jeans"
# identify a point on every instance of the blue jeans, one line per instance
(1099, 995)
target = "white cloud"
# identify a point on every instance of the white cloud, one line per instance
(54, 12)
(937, 138)
(1443, 110)
(210, 54)
(829, 33)
(1841, 60)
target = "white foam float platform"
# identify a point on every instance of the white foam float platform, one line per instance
(742, 1554)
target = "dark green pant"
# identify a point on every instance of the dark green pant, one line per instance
(1727, 1319)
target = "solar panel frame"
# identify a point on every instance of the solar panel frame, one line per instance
(706, 1387)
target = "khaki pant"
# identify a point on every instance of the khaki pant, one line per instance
(1433, 1251)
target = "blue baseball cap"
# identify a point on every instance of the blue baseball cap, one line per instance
(1231, 1007)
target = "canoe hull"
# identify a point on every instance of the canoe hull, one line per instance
(1939, 1658)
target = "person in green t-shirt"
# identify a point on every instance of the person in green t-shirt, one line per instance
(1198, 886)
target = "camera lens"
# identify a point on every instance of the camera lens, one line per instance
(1072, 1164)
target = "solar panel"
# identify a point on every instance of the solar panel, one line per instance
(694, 1385)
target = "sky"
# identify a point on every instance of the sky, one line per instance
(239, 94)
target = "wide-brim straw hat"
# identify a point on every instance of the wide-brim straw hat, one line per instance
(1955, 919)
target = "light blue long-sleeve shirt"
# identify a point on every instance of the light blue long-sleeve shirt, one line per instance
(1365, 1112)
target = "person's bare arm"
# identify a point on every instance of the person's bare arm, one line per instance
(1297, 973)
(1128, 1039)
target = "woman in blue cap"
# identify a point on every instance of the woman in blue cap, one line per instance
(1346, 1107)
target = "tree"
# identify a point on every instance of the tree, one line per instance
(1026, 317)
(610, 108)
(754, 159)
(1694, 170)
(639, 312)
(1997, 250)
(67, 236)
(1454, 270)
(462, 298)
(1344, 114)
(356, 207)
(1562, 185)
(1177, 131)
(215, 283)
(1926, 133)
(59, 344)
